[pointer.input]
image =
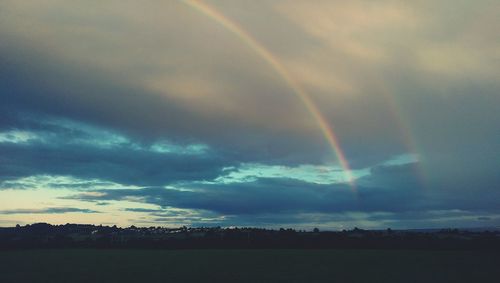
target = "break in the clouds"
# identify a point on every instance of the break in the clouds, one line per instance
(222, 113)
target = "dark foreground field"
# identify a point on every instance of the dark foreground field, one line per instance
(248, 266)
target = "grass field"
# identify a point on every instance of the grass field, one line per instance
(248, 266)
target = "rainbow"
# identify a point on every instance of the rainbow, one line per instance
(409, 140)
(264, 53)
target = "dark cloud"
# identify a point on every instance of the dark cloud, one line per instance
(265, 195)
(51, 210)
(396, 199)
(72, 152)
(484, 218)
(122, 166)
(275, 195)
(142, 210)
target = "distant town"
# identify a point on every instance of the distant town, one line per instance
(42, 235)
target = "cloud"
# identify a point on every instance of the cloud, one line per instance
(142, 210)
(390, 196)
(51, 210)
(239, 105)
(400, 194)
(247, 198)
(115, 99)
(86, 153)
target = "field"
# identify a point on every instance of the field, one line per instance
(248, 266)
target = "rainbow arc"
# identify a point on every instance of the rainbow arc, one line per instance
(326, 128)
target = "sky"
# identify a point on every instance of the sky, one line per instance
(302, 114)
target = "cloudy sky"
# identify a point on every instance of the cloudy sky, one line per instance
(330, 114)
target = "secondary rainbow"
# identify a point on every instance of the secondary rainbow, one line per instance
(264, 53)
